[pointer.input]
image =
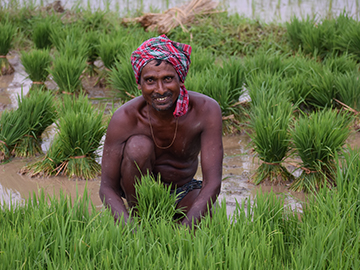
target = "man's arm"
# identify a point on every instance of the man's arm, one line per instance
(110, 168)
(211, 163)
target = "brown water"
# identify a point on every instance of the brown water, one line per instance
(239, 162)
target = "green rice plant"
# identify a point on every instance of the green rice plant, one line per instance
(323, 89)
(270, 120)
(264, 86)
(217, 85)
(92, 39)
(66, 72)
(37, 112)
(12, 129)
(294, 32)
(36, 64)
(349, 36)
(155, 201)
(234, 68)
(122, 79)
(317, 138)
(270, 62)
(74, 44)
(110, 49)
(312, 39)
(7, 30)
(42, 30)
(73, 152)
(341, 63)
(201, 59)
(348, 89)
(299, 89)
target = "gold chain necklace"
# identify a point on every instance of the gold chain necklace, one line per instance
(152, 132)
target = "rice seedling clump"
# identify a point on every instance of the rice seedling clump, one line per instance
(317, 139)
(270, 119)
(36, 64)
(7, 30)
(73, 151)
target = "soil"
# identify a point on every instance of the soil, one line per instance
(239, 161)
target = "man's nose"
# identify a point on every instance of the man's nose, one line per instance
(161, 88)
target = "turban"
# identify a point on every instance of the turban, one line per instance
(175, 53)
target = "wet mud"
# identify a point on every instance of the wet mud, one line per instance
(238, 166)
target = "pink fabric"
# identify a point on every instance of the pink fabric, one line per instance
(177, 54)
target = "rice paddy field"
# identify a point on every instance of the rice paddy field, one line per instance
(285, 74)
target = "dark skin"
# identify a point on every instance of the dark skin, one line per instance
(129, 139)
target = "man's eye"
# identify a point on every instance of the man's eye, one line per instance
(168, 79)
(150, 80)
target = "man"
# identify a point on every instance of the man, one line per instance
(163, 131)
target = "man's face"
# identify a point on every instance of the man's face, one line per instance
(160, 85)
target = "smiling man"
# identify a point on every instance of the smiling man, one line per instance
(163, 131)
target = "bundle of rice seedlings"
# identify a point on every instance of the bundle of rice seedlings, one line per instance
(122, 79)
(323, 89)
(270, 62)
(155, 200)
(171, 18)
(73, 151)
(110, 49)
(73, 45)
(12, 129)
(317, 138)
(7, 32)
(341, 63)
(36, 64)
(66, 72)
(201, 59)
(42, 30)
(294, 28)
(37, 112)
(217, 85)
(92, 39)
(348, 89)
(269, 120)
(349, 36)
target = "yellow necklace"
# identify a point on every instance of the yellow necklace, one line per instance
(152, 132)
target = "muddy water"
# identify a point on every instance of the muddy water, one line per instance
(239, 162)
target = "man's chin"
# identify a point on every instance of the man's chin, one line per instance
(161, 108)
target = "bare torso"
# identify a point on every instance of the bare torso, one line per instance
(178, 163)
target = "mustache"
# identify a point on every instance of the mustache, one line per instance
(161, 96)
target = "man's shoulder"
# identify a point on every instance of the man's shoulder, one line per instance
(203, 102)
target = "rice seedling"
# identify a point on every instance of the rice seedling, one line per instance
(42, 30)
(12, 129)
(7, 30)
(66, 72)
(270, 62)
(122, 79)
(110, 49)
(270, 120)
(36, 64)
(323, 89)
(213, 83)
(317, 138)
(73, 152)
(155, 200)
(294, 28)
(343, 63)
(92, 39)
(37, 112)
(348, 89)
(201, 59)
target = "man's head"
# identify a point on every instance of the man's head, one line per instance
(177, 54)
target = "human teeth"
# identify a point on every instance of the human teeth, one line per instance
(161, 99)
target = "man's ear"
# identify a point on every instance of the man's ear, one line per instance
(181, 84)
(139, 86)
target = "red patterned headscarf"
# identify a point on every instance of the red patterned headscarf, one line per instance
(175, 53)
